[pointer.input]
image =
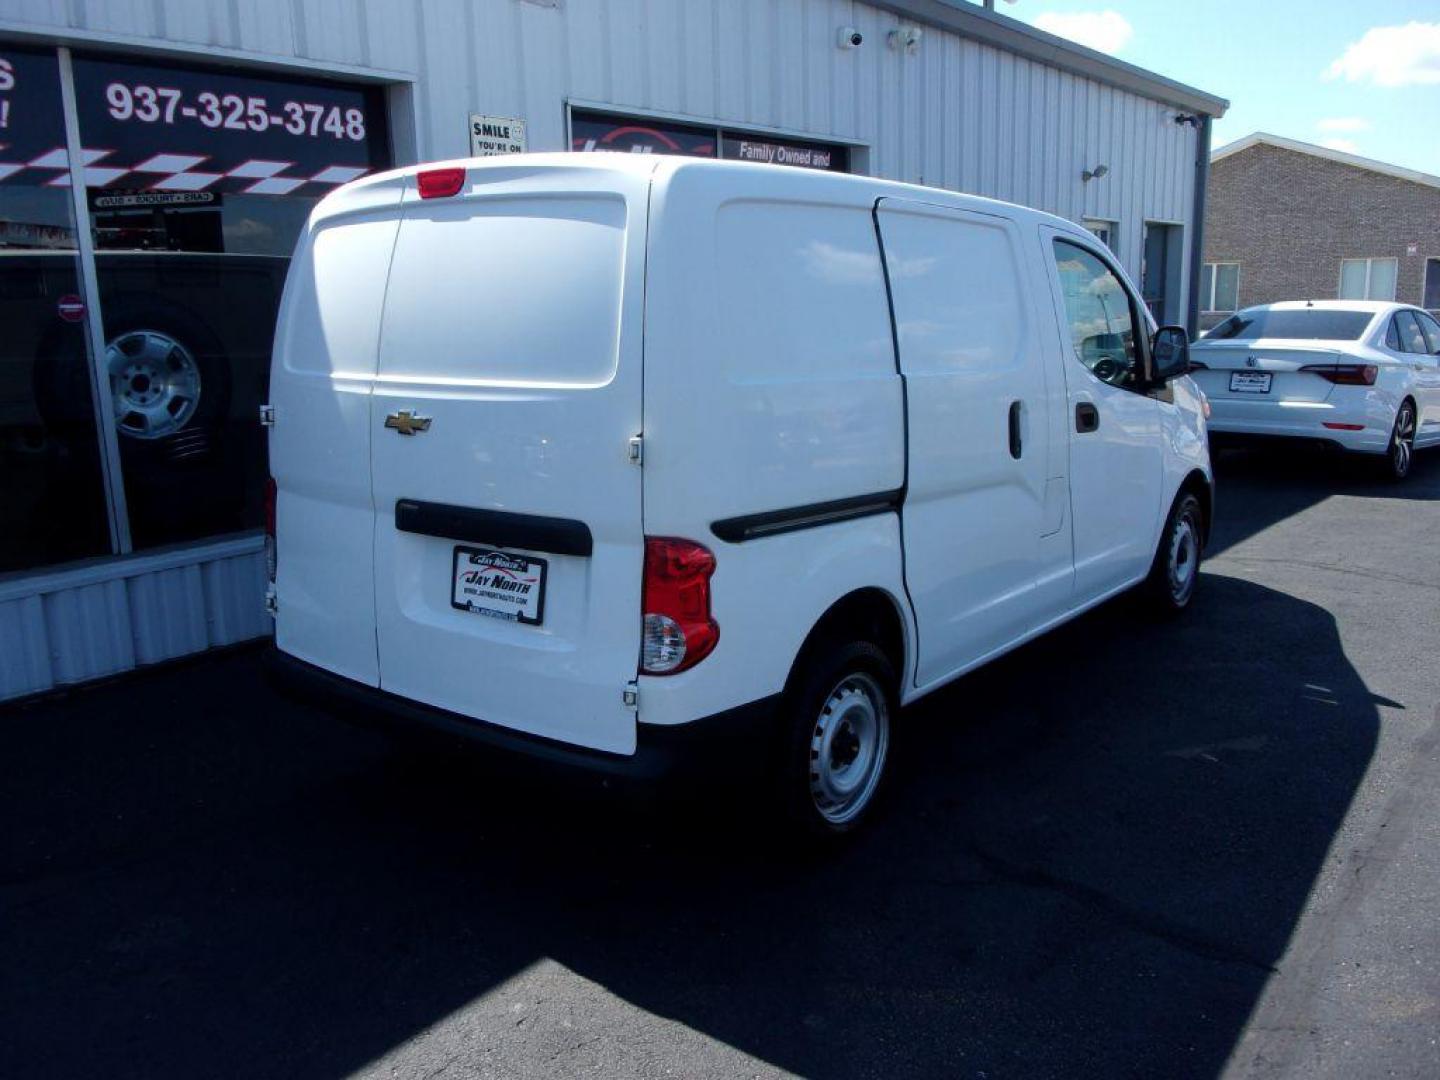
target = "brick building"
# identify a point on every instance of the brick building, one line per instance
(1286, 220)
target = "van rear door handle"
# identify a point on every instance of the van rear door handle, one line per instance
(1016, 446)
(1087, 417)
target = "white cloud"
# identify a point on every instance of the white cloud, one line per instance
(1344, 123)
(1346, 145)
(1103, 31)
(1406, 55)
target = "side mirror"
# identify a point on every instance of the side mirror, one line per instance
(1169, 353)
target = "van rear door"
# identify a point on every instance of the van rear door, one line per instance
(320, 383)
(508, 535)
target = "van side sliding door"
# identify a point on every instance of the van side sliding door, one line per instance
(987, 556)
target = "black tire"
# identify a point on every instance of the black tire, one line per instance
(1175, 573)
(1400, 454)
(862, 679)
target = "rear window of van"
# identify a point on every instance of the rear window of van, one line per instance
(515, 291)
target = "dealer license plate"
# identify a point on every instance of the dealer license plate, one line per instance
(499, 584)
(1250, 382)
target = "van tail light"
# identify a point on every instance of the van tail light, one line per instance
(678, 630)
(440, 183)
(1345, 374)
(271, 552)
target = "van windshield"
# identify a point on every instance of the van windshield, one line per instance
(1302, 323)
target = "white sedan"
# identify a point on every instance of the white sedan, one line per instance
(1361, 375)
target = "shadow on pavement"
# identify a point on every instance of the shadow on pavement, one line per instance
(1257, 488)
(1098, 851)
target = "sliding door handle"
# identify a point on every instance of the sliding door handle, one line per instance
(1087, 417)
(1017, 446)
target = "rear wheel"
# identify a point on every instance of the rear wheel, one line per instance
(840, 712)
(1176, 570)
(1401, 451)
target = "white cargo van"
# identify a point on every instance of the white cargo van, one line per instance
(642, 463)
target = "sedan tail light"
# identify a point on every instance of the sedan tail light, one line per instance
(678, 630)
(1345, 374)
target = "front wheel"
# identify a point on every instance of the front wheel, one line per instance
(840, 734)
(1176, 570)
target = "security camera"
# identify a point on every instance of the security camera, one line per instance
(849, 38)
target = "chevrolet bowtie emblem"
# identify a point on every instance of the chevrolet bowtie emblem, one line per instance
(406, 422)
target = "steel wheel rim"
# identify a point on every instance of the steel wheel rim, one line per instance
(155, 382)
(848, 746)
(1404, 440)
(1184, 558)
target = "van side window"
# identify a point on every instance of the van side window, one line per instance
(1101, 317)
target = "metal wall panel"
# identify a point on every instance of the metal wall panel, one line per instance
(103, 617)
(955, 113)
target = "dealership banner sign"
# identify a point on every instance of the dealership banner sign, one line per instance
(601, 132)
(160, 128)
(32, 127)
(617, 134)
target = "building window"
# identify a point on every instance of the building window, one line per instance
(200, 180)
(595, 131)
(1220, 287)
(1104, 231)
(1368, 279)
(51, 479)
(197, 183)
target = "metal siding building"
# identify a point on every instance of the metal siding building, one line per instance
(979, 104)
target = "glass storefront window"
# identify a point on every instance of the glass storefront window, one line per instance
(52, 492)
(603, 132)
(198, 183)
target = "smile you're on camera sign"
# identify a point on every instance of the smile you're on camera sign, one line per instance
(491, 135)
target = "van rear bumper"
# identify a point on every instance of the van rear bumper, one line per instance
(737, 741)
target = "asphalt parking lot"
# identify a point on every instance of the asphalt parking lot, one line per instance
(1130, 849)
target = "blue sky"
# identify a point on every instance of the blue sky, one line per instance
(1364, 77)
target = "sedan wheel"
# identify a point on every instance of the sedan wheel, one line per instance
(1402, 442)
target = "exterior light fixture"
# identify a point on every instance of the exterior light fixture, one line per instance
(906, 38)
(1095, 173)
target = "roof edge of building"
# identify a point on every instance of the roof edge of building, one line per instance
(968, 19)
(1280, 142)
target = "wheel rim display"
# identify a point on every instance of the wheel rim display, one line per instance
(155, 382)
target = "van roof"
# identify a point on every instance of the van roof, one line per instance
(361, 193)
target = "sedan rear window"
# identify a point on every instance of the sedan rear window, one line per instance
(1313, 323)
